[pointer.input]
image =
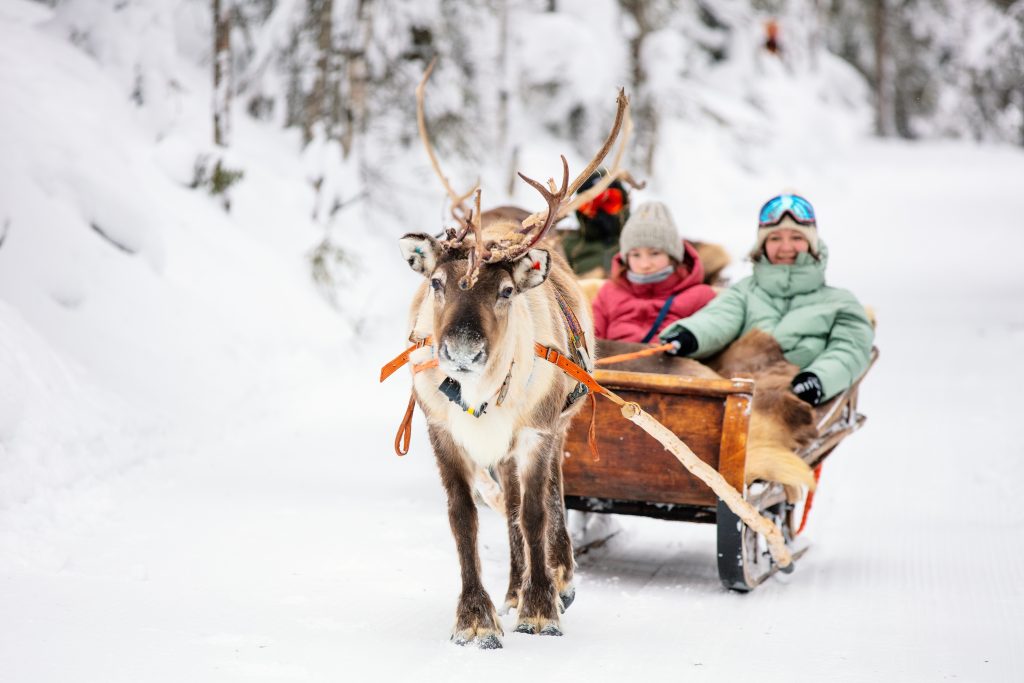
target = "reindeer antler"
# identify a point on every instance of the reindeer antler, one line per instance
(480, 254)
(459, 209)
(519, 241)
(622, 121)
(554, 199)
(615, 172)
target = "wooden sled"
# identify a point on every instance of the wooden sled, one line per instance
(636, 476)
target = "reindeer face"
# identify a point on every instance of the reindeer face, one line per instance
(470, 323)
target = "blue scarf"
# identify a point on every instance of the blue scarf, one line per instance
(650, 278)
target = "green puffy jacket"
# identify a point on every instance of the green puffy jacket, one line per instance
(822, 329)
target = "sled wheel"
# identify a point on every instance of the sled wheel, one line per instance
(744, 560)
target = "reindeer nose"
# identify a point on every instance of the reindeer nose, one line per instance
(463, 354)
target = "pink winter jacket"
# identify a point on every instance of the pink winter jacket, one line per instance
(625, 311)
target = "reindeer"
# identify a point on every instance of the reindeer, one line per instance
(492, 296)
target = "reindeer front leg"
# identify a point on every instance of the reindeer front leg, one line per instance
(560, 546)
(476, 621)
(513, 504)
(538, 602)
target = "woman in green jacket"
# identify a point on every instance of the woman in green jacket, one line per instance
(823, 330)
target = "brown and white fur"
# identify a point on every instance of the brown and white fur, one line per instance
(780, 423)
(480, 334)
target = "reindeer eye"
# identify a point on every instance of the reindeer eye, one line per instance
(435, 284)
(506, 292)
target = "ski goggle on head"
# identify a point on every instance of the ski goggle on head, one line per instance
(776, 208)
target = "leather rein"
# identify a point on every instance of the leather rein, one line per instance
(551, 355)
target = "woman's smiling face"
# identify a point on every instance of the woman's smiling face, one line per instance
(783, 245)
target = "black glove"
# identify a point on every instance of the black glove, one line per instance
(807, 387)
(685, 342)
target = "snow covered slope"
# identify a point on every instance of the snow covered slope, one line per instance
(129, 301)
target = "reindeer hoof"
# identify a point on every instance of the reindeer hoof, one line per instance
(491, 642)
(788, 569)
(545, 627)
(487, 642)
(567, 599)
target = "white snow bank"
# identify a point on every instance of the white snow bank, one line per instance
(124, 293)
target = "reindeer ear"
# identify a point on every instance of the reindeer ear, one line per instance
(532, 269)
(420, 251)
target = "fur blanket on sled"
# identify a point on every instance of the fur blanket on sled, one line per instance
(780, 423)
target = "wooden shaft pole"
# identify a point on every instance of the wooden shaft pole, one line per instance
(700, 469)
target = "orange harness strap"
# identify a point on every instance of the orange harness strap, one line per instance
(623, 357)
(425, 365)
(592, 432)
(580, 375)
(566, 365)
(404, 434)
(810, 500)
(401, 359)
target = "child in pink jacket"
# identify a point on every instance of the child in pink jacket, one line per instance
(657, 278)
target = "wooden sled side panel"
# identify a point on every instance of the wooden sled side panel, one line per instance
(710, 416)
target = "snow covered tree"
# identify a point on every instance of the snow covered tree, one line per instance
(221, 71)
(935, 67)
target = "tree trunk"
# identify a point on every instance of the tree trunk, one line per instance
(357, 75)
(881, 82)
(320, 18)
(221, 72)
(1020, 64)
(644, 111)
(814, 35)
(503, 90)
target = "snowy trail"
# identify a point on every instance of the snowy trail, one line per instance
(290, 545)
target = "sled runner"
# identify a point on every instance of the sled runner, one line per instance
(634, 475)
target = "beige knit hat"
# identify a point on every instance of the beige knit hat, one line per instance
(651, 225)
(810, 233)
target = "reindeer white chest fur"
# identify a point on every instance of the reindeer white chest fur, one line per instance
(511, 390)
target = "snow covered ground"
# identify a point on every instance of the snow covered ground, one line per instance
(196, 478)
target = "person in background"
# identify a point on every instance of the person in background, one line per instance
(591, 248)
(823, 330)
(771, 37)
(657, 278)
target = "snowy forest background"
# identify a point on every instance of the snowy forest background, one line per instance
(518, 77)
(199, 280)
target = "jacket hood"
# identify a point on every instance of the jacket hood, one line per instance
(687, 274)
(806, 275)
